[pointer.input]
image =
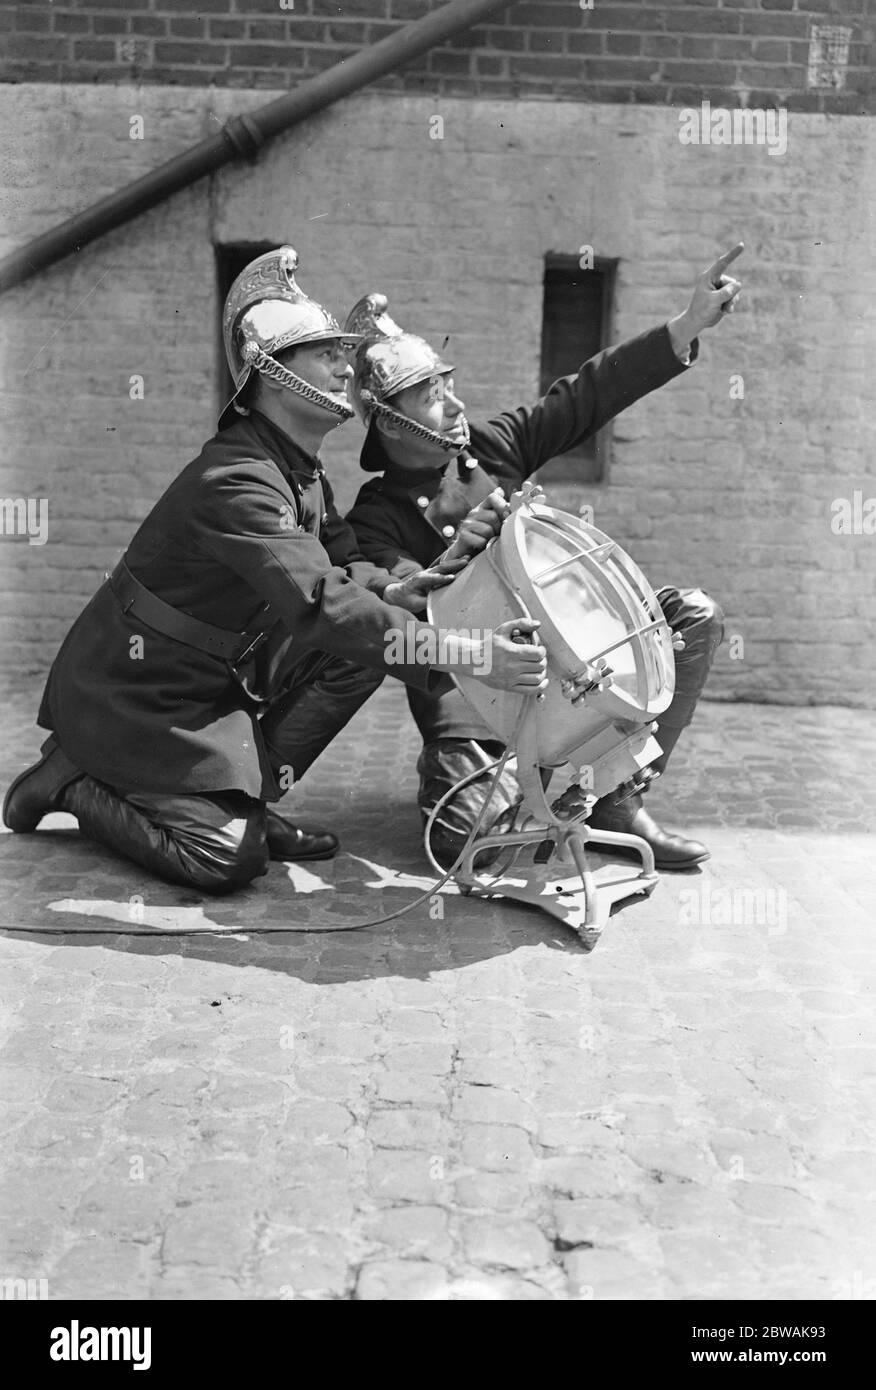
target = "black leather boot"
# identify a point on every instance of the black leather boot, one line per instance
(628, 815)
(446, 845)
(287, 841)
(171, 841)
(38, 790)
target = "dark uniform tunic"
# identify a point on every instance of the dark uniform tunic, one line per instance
(250, 522)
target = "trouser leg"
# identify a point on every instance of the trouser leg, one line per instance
(444, 762)
(215, 842)
(700, 621)
(321, 696)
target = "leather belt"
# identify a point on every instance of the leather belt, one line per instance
(141, 603)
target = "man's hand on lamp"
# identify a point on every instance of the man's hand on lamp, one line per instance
(715, 294)
(475, 532)
(412, 593)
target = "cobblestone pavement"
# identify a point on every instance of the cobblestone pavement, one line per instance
(462, 1108)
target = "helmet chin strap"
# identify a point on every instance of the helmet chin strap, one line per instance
(421, 431)
(269, 366)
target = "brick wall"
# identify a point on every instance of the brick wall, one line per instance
(753, 52)
(731, 494)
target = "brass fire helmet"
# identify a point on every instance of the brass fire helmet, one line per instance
(266, 311)
(389, 360)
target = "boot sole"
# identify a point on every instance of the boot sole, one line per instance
(664, 865)
(301, 858)
(681, 864)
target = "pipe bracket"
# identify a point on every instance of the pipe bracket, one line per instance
(244, 134)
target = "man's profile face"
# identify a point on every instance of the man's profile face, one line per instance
(433, 403)
(323, 365)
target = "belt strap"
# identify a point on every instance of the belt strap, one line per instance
(140, 602)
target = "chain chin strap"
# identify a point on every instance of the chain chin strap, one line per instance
(269, 366)
(421, 431)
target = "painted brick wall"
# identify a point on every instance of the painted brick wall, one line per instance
(744, 51)
(733, 495)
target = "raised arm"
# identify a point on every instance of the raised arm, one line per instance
(515, 444)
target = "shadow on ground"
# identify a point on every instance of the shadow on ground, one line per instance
(741, 770)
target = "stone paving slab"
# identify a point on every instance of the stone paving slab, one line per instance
(461, 1104)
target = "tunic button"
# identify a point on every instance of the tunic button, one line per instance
(471, 463)
(447, 531)
(422, 501)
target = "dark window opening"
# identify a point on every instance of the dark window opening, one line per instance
(576, 324)
(230, 261)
